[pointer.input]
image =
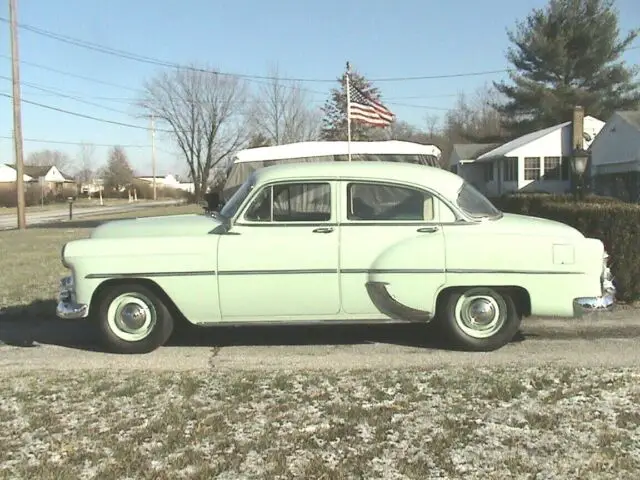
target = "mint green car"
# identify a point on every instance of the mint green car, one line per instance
(335, 242)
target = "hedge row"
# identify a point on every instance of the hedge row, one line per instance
(614, 222)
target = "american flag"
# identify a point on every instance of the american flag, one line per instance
(366, 110)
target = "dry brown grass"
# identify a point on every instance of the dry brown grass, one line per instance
(548, 423)
(30, 259)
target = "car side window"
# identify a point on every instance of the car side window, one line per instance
(383, 202)
(291, 202)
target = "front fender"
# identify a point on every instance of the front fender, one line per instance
(184, 268)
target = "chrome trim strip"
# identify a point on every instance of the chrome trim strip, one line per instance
(511, 272)
(150, 274)
(392, 270)
(316, 271)
(279, 272)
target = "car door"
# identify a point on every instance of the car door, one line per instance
(279, 260)
(391, 237)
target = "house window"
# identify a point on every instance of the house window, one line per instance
(531, 168)
(564, 168)
(552, 168)
(292, 202)
(510, 172)
(488, 172)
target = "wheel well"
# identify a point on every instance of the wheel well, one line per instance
(520, 296)
(150, 284)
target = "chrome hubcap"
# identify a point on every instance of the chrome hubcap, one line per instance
(131, 317)
(480, 313)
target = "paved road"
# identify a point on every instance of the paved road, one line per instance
(10, 221)
(57, 346)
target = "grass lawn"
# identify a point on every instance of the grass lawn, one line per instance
(30, 259)
(484, 424)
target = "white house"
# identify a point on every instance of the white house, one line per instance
(615, 157)
(169, 181)
(536, 162)
(8, 174)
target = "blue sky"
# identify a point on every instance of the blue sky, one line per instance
(306, 39)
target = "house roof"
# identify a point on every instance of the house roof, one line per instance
(471, 151)
(632, 117)
(37, 171)
(34, 170)
(508, 147)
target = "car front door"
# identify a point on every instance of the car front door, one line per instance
(391, 238)
(280, 258)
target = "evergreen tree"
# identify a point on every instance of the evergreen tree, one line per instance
(334, 122)
(117, 173)
(565, 55)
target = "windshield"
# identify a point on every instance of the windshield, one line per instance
(475, 204)
(231, 207)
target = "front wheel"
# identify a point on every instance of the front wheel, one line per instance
(479, 319)
(133, 319)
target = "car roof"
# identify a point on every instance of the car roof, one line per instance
(437, 179)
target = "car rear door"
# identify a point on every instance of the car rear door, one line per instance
(392, 249)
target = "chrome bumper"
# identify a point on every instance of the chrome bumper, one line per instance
(602, 303)
(67, 307)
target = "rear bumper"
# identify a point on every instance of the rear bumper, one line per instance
(603, 303)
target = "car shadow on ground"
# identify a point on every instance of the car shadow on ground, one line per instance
(32, 325)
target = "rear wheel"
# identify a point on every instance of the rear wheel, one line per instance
(479, 318)
(133, 319)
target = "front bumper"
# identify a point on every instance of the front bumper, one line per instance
(603, 303)
(67, 307)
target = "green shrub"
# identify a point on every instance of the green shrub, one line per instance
(615, 223)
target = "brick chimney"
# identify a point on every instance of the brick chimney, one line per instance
(577, 128)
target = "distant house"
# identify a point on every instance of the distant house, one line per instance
(615, 157)
(536, 162)
(466, 154)
(49, 177)
(8, 174)
(170, 181)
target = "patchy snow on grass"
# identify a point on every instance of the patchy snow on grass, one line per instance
(489, 423)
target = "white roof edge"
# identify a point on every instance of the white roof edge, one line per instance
(506, 148)
(320, 148)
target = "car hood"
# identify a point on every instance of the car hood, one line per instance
(166, 226)
(534, 226)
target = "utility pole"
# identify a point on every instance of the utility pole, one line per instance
(153, 155)
(17, 116)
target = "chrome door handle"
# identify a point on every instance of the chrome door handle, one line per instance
(428, 229)
(323, 230)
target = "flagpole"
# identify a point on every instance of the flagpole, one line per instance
(348, 115)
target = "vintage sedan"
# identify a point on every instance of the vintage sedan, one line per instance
(335, 242)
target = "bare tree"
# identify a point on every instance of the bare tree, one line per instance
(203, 111)
(475, 120)
(280, 112)
(85, 161)
(47, 158)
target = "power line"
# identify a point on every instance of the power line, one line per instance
(59, 94)
(158, 62)
(82, 115)
(62, 142)
(155, 61)
(74, 75)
